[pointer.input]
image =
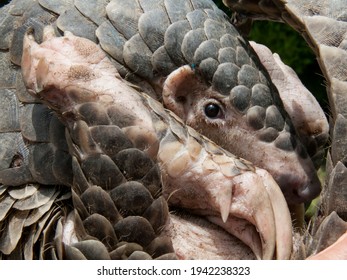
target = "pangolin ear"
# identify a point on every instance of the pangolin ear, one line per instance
(178, 89)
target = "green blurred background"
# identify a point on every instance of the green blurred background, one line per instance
(293, 50)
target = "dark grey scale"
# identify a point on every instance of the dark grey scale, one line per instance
(9, 72)
(274, 118)
(152, 27)
(93, 114)
(41, 157)
(131, 198)
(100, 170)
(203, 4)
(35, 120)
(177, 9)
(78, 205)
(118, 118)
(111, 139)
(152, 181)
(157, 214)
(192, 42)
(138, 56)
(196, 18)
(149, 5)
(19, 7)
(256, 117)
(229, 41)
(110, 40)
(227, 54)
(207, 49)
(80, 182)
(124, 250)
(16, 176)
(21, 92)
(334, 200)
(339, 140)
(6, 28)
(225, 78)
(242, 56)
(124, 15)
(208, 67)
(135, 229)
(139, 255)
(9, 148)
(79, 135)
(9, 111)
(162, 62)
(240, 97)
(248, 76)
(93, 10)
(92, 249)
(169, 256)
(285, 141)
(62, 167)
(96, 200)
(99, 227)
(261, 96)
(268, 134)
(215, 29)
(35, 17)
(161, 245)
(72, 253)
(173, 40)
(72, 20)
(56, 7)
(135, 80)
(134, 164)
(57, 133)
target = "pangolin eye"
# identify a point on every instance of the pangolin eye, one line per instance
(212, 110)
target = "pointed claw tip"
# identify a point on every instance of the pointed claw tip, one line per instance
(224, 214)
(224, 202)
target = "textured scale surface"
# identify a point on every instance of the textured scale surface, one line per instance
(143, 52)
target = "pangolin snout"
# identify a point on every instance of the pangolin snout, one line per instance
(298, 190)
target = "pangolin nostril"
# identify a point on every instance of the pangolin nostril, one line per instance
(310, 191)
(298, 191)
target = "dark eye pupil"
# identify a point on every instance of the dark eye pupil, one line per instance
(212, 110)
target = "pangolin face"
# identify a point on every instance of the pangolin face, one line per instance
(243, 113)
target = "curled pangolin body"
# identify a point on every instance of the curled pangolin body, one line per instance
(140, 56)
